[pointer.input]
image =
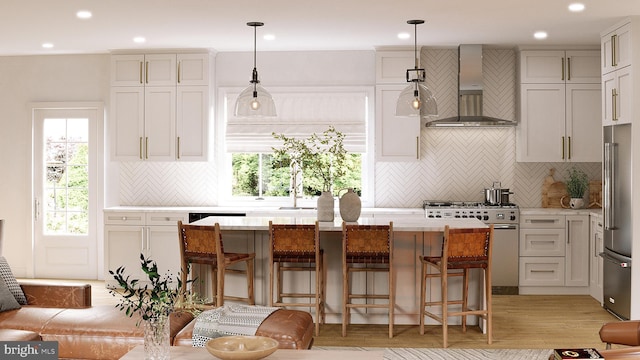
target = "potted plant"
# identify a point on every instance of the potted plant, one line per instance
(577, 185)
(153, 302)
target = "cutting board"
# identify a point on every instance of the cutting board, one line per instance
(553, 191)
(595, 194)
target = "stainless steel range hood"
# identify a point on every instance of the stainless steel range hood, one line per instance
(470, 89)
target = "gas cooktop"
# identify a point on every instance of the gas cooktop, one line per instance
(465, 205)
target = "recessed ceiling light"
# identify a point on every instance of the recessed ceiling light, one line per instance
(83, 14)
(269, 37)
(404, 35)
(576, 7)
(47, 45)
(540, 35)
(139, 39)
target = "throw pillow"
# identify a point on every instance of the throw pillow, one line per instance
(11, 282)
(7, 300)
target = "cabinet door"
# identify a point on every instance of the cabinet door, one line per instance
(192, 123)
(391, 66)
(624, 96)
(609, 91)
(616, 49)
(193, 69)
(397, 137)
(160, 70)
(582, 67)
(123, 245)
(595, 260)
(542, 67)
(160, 123)
(542, 123)
(163, 247)
(127, 70)
(127, 122)
(577, 253)
(583, 123)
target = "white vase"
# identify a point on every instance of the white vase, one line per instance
(325, 206)
(576, 203)
(350, 206)
(156, 338)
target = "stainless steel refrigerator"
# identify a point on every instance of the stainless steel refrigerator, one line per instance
(617, 220)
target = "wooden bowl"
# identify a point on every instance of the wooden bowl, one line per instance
(241, 347)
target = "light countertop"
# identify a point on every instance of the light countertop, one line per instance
(559, 211)
(400, 223)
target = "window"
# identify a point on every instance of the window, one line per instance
(254, 174)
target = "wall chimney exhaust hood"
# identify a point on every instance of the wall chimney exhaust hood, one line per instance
(470, 88)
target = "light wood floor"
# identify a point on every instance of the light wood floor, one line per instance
(520, 321)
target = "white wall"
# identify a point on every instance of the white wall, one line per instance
(24, 80)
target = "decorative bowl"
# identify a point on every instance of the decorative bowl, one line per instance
(241, 347)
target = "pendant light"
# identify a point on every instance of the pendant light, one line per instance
(255, 100)
(416, 99)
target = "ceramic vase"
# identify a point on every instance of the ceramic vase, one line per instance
(350, 206)
(156, 338)
(325, 206)
(576, 203)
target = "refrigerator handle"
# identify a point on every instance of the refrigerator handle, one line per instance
(609, 180)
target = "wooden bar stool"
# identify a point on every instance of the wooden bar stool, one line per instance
(203, 245)
(366, 248)
(462, 250)
(296, 248)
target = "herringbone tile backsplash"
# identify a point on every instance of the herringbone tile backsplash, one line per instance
(456, 164)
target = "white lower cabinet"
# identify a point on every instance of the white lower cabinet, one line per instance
(596, 262)
(129, 234)
(554, 249)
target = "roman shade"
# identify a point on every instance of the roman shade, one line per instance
(301, 112)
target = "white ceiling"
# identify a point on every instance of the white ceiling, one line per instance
(297, 24)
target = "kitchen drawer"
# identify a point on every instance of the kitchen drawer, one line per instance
(124, 218)
(541, 271)
(542, 221)
(542, 242)
(166, 218)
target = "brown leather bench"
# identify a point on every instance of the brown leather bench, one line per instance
(19, 335)
(293, 329)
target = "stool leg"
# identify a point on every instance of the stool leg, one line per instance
(423, 289)
(250, 294)
(465, 292)
(271, 280)
(489, 300)
(345, 299)
(220, 289)
(392, 301)
(214, 285)
(445, 305)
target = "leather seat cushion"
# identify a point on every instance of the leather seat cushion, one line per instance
(293, 329)
(30, 318)
(18, 335)
(100, 332)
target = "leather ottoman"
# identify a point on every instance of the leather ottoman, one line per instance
(100, 332)
(293, 329)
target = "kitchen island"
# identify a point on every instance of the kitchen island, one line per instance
(413, 236)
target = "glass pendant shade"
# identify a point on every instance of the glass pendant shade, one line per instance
(416, 100)
(255, 101)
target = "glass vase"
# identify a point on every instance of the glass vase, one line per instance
(156, 338)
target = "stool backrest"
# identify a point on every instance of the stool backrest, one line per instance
(294, 239)
(468, 245)
(367, 240)
(198, 241)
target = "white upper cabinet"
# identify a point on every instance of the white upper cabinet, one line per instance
(616, 48)
(559, 106)
(617, 80)
(391, 66)
(397, 137)
(160, 107)
(558, 67)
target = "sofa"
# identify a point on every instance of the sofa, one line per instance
(63, 313)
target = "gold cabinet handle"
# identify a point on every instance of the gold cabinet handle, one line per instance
(140, 72)
(563, 148)
(140, 148)
(614, 105)
(178, 148)
(568, 69)
(614, 49)
(146, 73)
(562, 69)
(146, 148)
(569, 147)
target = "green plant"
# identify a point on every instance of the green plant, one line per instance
(154, 300)
(324, 156)
(578, 182)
